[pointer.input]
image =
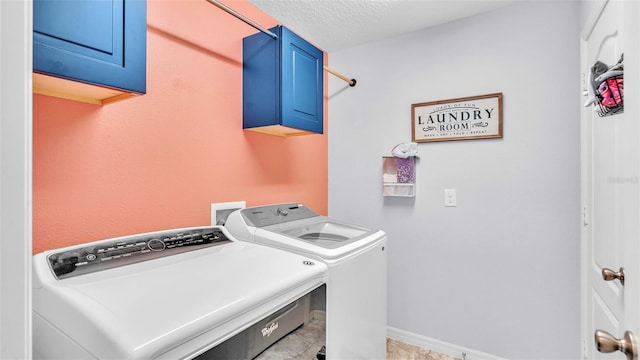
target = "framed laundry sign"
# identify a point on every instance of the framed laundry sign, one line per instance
(475, 117)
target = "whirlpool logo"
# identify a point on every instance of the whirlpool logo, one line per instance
(269, 329)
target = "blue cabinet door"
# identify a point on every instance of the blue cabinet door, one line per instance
(100, 42)
(302, 85)
(282, 83)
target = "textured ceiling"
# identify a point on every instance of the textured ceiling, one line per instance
(334, 25)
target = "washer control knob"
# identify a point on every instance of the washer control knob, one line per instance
(156, 245)
(283, 211)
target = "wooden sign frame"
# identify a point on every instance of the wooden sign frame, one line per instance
(469, 118)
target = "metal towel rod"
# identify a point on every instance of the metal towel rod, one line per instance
(242, 17)
(351, 82)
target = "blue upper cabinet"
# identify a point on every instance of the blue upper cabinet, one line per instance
(101, 43)
(282, 84)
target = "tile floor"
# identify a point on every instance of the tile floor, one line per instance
(303, 344)
(397, 350)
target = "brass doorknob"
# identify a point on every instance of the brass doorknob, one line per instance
(609, 275)
(606, 343)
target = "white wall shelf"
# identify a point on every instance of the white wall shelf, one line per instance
(399, 176)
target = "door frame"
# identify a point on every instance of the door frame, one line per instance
(594, 15)
(16, 108)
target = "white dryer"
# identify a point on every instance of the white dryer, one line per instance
(175, 294)
(356, 308)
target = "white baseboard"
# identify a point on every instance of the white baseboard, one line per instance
(439, 346)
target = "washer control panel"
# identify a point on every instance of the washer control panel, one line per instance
(261, 216)
(106, 254)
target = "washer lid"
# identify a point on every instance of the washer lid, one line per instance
(326, 233)
(295, 227)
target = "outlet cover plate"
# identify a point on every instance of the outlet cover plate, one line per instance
(450, 197)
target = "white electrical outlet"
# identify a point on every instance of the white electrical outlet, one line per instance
(450, 197)
(220, 211)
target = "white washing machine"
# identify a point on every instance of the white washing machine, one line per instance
(175, 294)
(356, 308)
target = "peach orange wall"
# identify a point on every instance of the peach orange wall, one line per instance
(157, 161)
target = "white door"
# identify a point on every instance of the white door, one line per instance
(610, 182)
